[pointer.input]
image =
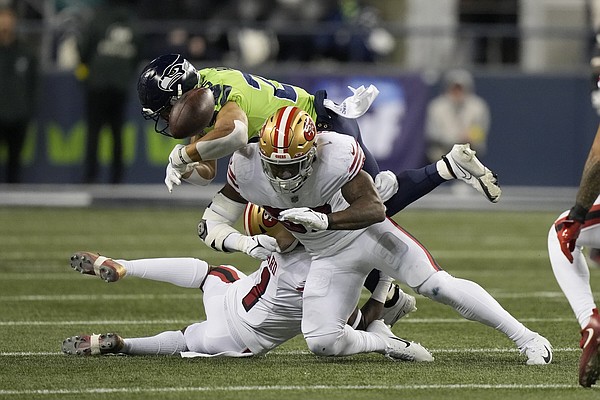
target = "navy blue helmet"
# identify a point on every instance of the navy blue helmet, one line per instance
(162, 82)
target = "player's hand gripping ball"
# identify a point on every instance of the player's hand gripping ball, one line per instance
(191, 113)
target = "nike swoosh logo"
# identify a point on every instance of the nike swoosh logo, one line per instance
(590, 332)
(406, 342)
(547, 357)
(465, 174)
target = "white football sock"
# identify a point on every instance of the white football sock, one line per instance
(165, 343)
(474, 303)
(184, 272)
(383, 287)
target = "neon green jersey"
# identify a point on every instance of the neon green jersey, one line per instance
(258, 97)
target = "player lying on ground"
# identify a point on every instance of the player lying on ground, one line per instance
(314, 184)
(245, 315)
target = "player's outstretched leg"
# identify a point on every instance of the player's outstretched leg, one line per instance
(474, 303)
(92, 345)
(589, 363)
(464, 165)
(94, 264)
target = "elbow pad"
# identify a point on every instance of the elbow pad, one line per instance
(224, 146)
(217, 221)
(197, 180)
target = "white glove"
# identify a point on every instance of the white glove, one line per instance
(179, 163)
(311, 220)
(179, 158)
(386, 184)
(355, 105)
(173, 175)
(258, 246)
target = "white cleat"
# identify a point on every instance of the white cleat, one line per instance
(398, 305)
(398, 349)
(538, 351)
(464, 165)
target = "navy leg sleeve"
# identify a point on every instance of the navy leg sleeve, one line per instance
(412, 185)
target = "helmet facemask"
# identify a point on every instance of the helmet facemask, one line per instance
(287, 148)
(287, 176)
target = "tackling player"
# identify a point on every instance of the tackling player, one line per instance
(244, 101)
(315, 185)
(245, 315)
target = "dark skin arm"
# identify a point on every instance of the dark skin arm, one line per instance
(589, 187)
(365, 207)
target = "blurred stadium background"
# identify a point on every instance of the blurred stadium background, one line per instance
(530, 60)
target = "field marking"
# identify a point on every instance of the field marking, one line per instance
(413, 320)
(281, 388)
(306, 352)
(448, 254)
(198, 295)
(99, 297)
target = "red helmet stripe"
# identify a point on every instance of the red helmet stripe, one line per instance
(284, 122)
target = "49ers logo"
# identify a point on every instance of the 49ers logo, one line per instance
(309, 130)
(267, 220)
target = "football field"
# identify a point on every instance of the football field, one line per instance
(43, 301)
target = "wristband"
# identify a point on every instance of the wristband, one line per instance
(183, 156)
(578, 213)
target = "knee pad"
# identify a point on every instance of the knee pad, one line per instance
(323, 345)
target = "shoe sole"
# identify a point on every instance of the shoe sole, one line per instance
(81, 345)
(84, 263)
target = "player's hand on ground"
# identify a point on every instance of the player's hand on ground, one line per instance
(567, 236)
(386, 184)
(310, 219)
(260, 246)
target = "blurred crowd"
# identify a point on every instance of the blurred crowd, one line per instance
(248, 32)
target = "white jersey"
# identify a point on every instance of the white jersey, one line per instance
(339, 159)
(265, 308)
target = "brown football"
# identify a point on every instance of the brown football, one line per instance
(191, 113)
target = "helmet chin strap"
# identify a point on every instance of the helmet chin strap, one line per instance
(179, 90)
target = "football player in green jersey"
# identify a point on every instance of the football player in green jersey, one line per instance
(244, 101)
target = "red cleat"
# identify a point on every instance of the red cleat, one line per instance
(589, 363)
(94, 264)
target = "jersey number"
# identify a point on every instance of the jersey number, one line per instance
(285, 92)
(257, 290)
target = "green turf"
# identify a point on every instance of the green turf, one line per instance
(42, 301)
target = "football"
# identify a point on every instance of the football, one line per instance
(191, 113)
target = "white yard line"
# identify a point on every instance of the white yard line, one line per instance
(280, 388)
